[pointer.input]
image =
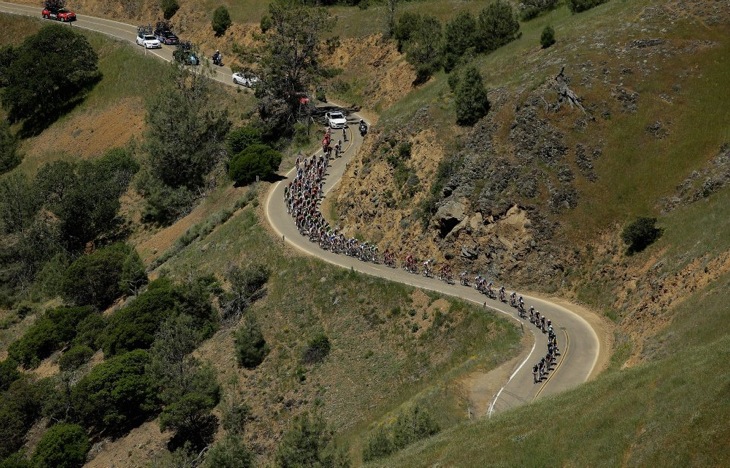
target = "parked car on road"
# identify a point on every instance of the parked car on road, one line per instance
(148, 41)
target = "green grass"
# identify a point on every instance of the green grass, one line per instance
(377, 363)
(672, 411)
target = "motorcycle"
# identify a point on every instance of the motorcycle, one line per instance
(218, 59)
(363, 129)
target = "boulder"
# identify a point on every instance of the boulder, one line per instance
(449, 216)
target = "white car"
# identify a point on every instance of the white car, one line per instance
(243, 80)
(148, 41)
(336, 119)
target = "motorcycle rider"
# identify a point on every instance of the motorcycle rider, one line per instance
(217, 58)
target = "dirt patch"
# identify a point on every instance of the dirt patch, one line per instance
(82, 135)
(136, 449)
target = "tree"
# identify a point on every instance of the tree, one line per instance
(185, 138)
(251, 347)
(247, 285)
(169, 8)
(470, 99)
(497, 26)
(548, 37)
(116, 394)
(532, 8)
(62, 446)
(99, 278)
(20, 408)
(18, 203)
(255, 161)
(423, 48)
(52, 72)
(289, 62)
(408, 24)
(309, 443)
(221, 20)
(9, 156)
(390, 18)
(459, 37)
(640, 234)
(191, 420)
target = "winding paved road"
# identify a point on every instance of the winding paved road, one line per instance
(579, 344)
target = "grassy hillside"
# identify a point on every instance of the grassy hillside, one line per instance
(672, 410)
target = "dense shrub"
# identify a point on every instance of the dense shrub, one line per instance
(90, 330)
(62, 446)
(408, 24)
(576, 6)
(256, 160)
(169, 8)
(640, 234)
(497, 26)
(134, 326)
(470, 99)
(548, 37)
(317, 349)
(54, 329)
(99, 278)
(116, 394)
(75, 358)
(423, 49)
(191, 420)
(241, 138)
(9, 373)
(221, 20)
(251, 347)
(20, 407)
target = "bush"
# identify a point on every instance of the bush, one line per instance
(251, 347)
(63, 445)
(266, 23)
(317, 349)
(241, 138)
(410, 426)
(116, 394)
(221, 20)
(169, 8)
(408, 24)
(256, 160)
(89, 331)
(577, 6)
(497, 26)
(99, 278)
(247, 285)
(20, 407)
(229, 453)
(533, 8)
(548, 37)
(423, 48)
(56, 328)
(191, 420)
(8, 373)
(640, 234)
(75, 357)
(134, 326)
(471, 99)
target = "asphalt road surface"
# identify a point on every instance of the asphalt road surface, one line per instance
(578, 342)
